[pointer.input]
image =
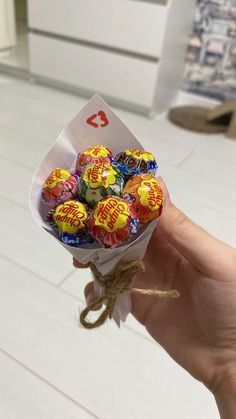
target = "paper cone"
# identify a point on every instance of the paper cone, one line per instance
(95, 124)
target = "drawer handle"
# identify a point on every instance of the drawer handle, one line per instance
(98, 120)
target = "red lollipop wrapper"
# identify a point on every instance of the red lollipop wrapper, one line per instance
(76, 137)
(96, 155)
(113, 221)
(60, 186)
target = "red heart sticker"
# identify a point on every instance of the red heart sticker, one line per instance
(98, 120)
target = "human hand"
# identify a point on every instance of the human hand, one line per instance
(198, 329)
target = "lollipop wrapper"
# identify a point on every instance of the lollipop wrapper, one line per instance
(95, 124)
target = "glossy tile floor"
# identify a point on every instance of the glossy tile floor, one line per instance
(50, 368)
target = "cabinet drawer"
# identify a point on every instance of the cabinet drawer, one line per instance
(125, 78)
(122, 24)
(129, 79)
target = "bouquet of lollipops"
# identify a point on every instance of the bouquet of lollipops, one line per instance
(102, 202)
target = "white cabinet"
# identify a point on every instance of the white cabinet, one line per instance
(7, 24)
(130, 51)
(94, 70)
(127, 25)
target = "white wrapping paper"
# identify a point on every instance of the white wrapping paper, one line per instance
(95, 124)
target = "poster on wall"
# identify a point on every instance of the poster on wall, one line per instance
(210, 68)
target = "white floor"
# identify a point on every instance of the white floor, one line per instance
(50, 368)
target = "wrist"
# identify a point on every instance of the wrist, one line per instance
(225, 394)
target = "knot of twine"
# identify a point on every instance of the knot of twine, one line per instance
(113, 284)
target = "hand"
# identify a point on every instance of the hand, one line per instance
(198, 329)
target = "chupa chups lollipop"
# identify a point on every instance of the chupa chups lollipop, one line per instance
(146, 195)
(99, 180)
(60, 186)
(112, 221)
(98, 155)
(70, 220)
(135, 162)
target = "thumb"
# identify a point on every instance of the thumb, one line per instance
(202, 250)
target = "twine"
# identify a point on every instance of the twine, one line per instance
(114, 284)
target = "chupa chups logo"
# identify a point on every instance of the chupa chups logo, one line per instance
(95, 174)
(112, 214)
(97, 151)
(151, 194)
(56, 176)
(70, 216)
(140, 154)
(100, 175)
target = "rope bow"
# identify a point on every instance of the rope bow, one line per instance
(113, 284)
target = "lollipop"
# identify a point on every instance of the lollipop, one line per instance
(146, 195)
(98, 155)
(71, 222)
(112, 221)
(99, 180)
(135, 162)
(60, 186)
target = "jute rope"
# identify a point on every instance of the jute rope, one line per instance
(114, 284)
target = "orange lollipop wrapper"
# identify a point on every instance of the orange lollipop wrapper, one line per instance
(146, 195)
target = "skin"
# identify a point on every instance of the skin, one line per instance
(198, 329)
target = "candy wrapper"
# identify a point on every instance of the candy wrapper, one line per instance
(95, 124)
(99, 180)
(135, 162)
(146, 195)
(60, 186)
(70, 221)
(97, 155)
(113, 221)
